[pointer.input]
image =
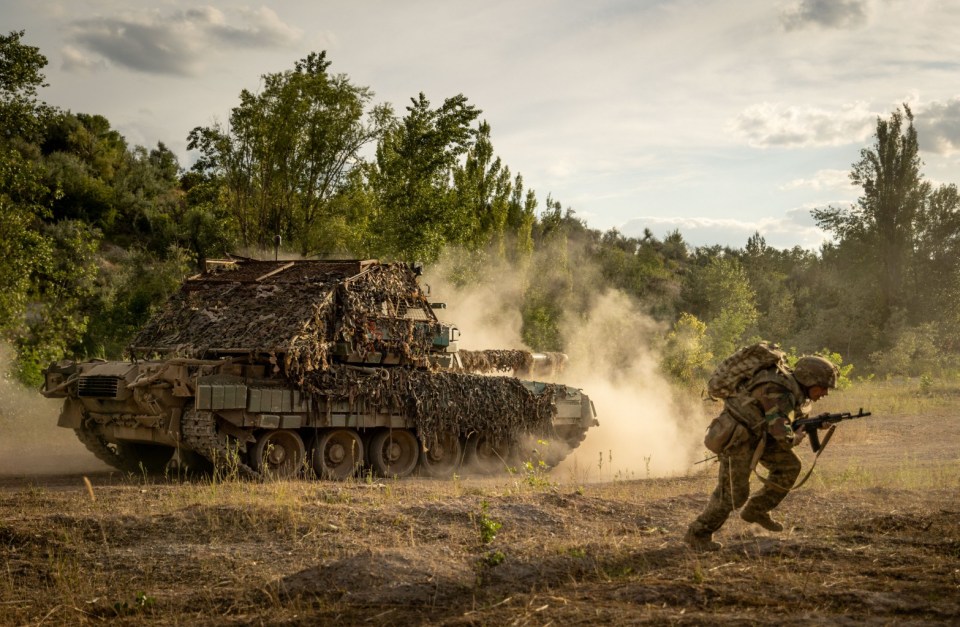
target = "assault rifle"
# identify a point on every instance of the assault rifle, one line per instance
(824, 419)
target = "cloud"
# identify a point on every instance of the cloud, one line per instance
(795, 228)
(262, 28)
(76, 61)
(764, 125)
(831, 14)
(938, 127)
(177, 44)
(822, 180)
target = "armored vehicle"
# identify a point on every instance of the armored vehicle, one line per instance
(324, 368)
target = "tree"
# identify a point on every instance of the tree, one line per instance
(417, 212)
(288, 151)
(63, 281)
(21, 75)
(719, 294)
(937, 273)
(22, 188)
(482, 189)
(882, 222)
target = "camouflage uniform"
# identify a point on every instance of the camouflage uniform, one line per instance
(765, 409)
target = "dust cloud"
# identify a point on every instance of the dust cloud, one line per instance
(648, 428)
(31, 443)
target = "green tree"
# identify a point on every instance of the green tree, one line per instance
(937, 273)
(482, 190)
(21, 242)
(133, 286)
(719, 294)
(882, 222)
(63, 280)
(21, 75)
(769, 272)
(685, 356)
(22, 188)
(288, 151)
(411, 180)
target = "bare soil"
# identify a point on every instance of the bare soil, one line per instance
(872, 538)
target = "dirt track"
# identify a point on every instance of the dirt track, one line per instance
(873, 538)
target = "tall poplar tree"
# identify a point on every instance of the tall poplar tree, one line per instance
(882, 223)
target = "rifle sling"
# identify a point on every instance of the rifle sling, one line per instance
(823, 445)
(759, 452)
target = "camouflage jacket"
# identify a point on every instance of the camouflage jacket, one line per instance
(769, 403)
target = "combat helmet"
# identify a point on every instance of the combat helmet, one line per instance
(811, 370)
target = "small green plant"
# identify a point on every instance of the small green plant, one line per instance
(486, 526)
(535, 469)
(577, 552)
(926, 384)
(698, 574)
(493, 558)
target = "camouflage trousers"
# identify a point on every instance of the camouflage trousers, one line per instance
(733, 483)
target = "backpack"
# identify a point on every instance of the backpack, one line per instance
(735, 371)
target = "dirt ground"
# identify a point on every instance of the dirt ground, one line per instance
(873, 538)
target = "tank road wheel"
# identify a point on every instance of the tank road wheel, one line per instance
(278, 454)
(337, 454)
(486, 454)
(443, 456)
(394, 452)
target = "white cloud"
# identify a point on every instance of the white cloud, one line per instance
(795, 228)
(77, 61)
(830, 14)
(821, 180)
(769, 124)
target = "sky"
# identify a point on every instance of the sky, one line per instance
(719, 118)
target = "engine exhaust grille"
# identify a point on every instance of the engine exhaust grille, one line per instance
(99, 386)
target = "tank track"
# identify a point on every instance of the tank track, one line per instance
(112, 457)
(199, 433)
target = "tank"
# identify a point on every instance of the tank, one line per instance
(324, 369)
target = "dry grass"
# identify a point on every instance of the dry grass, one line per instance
(874, 537)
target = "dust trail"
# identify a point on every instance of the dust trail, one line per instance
(31, 443)
(487, 315)
(648, 428)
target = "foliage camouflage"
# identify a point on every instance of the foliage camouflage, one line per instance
(443, 402)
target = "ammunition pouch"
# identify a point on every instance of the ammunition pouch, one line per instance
(725, 432)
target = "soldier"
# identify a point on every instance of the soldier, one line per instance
(764, 411)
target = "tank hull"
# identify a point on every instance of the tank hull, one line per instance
(151, 415)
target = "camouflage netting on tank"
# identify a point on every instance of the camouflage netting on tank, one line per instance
(496, 360)
(258, 307)
(518, 361)
(298, 309)
(443, 402)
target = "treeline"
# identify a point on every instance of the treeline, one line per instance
(95, 234)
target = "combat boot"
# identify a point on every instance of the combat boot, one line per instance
(701, 541)
(761, 518)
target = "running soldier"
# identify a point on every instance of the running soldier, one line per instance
(762, 411)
